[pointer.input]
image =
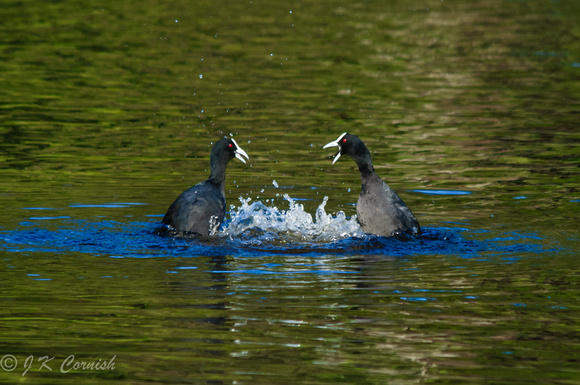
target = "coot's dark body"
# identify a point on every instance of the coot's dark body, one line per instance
(379, 209)
(201, 209)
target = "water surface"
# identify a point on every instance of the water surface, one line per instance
(470, 111)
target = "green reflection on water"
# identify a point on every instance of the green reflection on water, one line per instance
(105, 103)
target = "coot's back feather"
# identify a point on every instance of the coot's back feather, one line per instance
(193, 210)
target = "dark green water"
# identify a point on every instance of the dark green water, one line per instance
(471, 112)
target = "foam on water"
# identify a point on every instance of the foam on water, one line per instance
(293, 224)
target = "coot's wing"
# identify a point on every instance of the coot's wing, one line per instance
(193, 210)
(403, 215)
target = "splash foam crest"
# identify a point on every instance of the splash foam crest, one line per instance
(294, 223)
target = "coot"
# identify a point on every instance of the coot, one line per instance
(201, 209)
(379, 209)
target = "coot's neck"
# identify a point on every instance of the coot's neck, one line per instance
(365, 163)
(218, 172)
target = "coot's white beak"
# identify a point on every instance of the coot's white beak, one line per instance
(336, 143)
(238, 152)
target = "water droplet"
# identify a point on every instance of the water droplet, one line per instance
(201, 76)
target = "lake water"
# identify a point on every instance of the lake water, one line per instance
(470, 111)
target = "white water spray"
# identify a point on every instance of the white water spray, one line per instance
(294, 223)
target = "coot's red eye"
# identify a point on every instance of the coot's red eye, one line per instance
(231, 145)
(344, 140)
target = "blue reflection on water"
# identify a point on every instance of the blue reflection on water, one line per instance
(136, 240)
(418, 299)
(442, 192)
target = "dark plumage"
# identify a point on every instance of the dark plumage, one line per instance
(201, 209)
(379, 209)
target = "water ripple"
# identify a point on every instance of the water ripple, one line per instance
(255, 229)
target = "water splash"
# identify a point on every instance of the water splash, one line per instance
(214, 225)
(294, 224)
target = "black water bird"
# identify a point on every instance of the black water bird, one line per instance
(201, 209)
(379, 209)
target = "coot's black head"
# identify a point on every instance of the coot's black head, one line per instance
(225, 150)
(221, 153)
(349, 145)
